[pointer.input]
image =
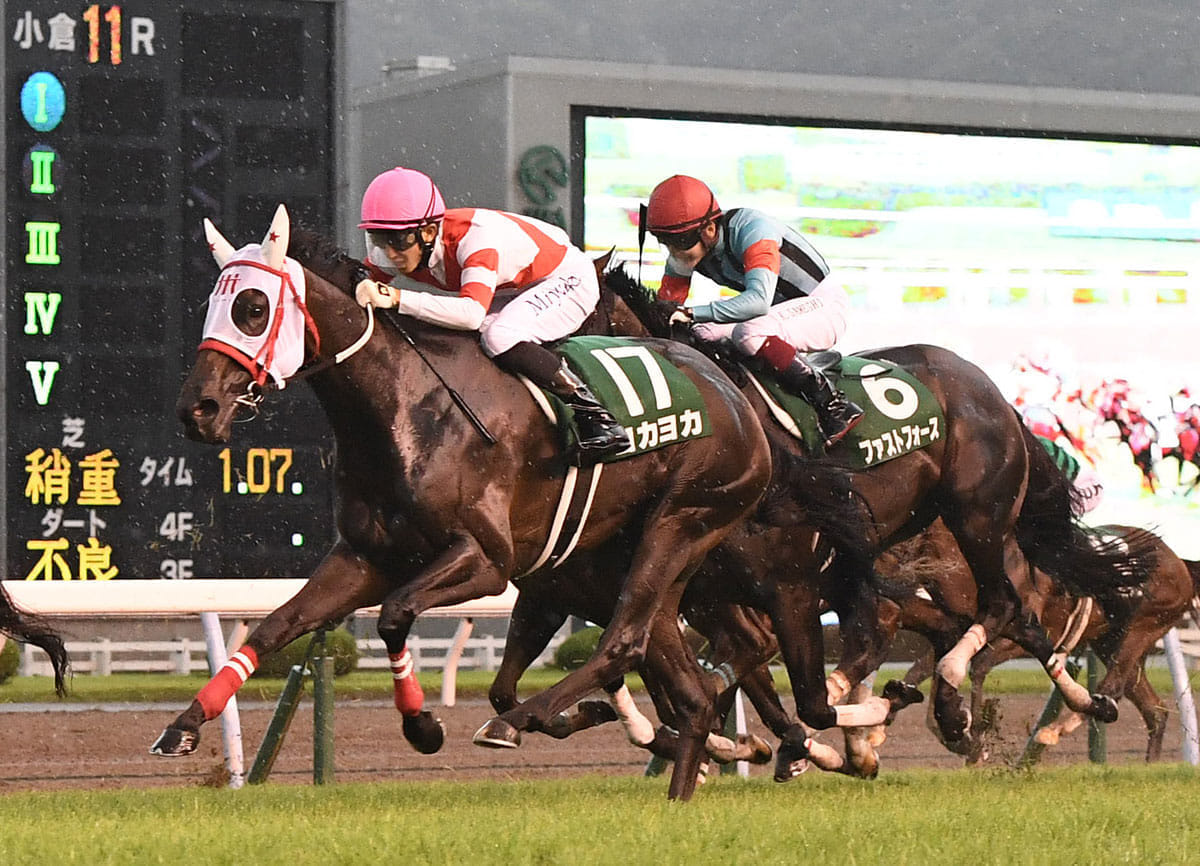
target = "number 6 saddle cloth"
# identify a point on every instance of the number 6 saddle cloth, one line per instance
(901, 414)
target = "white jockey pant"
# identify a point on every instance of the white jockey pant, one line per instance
(546, 311)
(810, 324)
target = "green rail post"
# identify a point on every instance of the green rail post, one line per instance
(1054, 704)
(268, 751)
(323, 721)
(656, 766)
(1097, 734)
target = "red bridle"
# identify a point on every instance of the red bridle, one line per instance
(260, 364)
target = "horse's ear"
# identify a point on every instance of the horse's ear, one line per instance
(601, 262)
(221, 249)
(275, 244)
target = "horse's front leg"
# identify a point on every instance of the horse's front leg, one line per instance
(341, 584)
(461, 573)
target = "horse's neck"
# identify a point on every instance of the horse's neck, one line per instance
(371, 390)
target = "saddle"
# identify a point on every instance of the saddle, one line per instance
(901, 414)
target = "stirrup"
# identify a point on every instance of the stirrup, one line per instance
(838, 435)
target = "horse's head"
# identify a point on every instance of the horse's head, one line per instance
(254, 332)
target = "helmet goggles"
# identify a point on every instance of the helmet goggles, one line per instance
(683, 240)
(398, 239)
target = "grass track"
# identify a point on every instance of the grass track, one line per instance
(1078, 815)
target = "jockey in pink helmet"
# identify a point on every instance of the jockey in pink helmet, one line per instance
(469, 254)
(787, 303)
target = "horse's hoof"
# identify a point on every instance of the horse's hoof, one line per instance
(1104, 709)
(900, 695)
(497, 734)
(597, 712)
(424, 732)
(560, 726)
(1046, 736)
(791, 758)
(175, 743)
(760, 750)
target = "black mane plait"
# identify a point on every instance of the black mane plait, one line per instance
(325, 258)
(641, 301)
(654, 314)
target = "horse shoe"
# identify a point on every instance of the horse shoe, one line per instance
(175, 743)
(497, 734)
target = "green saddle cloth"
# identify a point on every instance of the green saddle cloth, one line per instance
(652, 399)
(901, 414)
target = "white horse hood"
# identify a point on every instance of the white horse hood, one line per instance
(279, 350)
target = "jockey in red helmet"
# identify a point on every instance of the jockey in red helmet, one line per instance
(786, 303)
(470, 253)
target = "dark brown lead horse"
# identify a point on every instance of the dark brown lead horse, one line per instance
(977, 477)
(429, 514)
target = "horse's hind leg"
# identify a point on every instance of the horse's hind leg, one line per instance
(341, 584)
(532, 624)
(1154, 714)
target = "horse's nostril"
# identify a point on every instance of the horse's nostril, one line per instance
(205, 408)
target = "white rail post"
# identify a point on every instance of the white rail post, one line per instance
(1183, 697)
(231, 724)
(450, 668)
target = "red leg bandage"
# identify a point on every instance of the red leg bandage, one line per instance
(214, 696)
(408, 694)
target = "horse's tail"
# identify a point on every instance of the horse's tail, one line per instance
(27, 628)
(1086, 562)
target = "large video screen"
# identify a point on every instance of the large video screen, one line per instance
(1068, 268)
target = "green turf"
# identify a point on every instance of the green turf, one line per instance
(1075, 815)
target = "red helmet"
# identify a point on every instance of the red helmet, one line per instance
(401, 198)
(680, 204)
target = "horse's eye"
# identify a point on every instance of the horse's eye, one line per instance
(251, 312)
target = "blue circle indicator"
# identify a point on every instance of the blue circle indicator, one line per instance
(43, 101)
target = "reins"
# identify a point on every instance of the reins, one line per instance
(394, 319)
(255, 392)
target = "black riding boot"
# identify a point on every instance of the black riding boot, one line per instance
(835, 414)
(600, 435)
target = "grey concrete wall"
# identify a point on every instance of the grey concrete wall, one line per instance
(468, 128)
(455, 130)
(1146, 46)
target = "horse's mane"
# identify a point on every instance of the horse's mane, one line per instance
(325, 258)
(654, 314)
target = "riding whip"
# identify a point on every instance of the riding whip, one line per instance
(454, 395)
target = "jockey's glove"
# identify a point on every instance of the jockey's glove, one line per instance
(681, 316)
(379, 295)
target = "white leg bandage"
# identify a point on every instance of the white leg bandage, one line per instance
(823, 756)
(638, 728)
(1075, 695)
(837, 684)
(953, 666)
(872, 711)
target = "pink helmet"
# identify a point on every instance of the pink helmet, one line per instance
(401, 198)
